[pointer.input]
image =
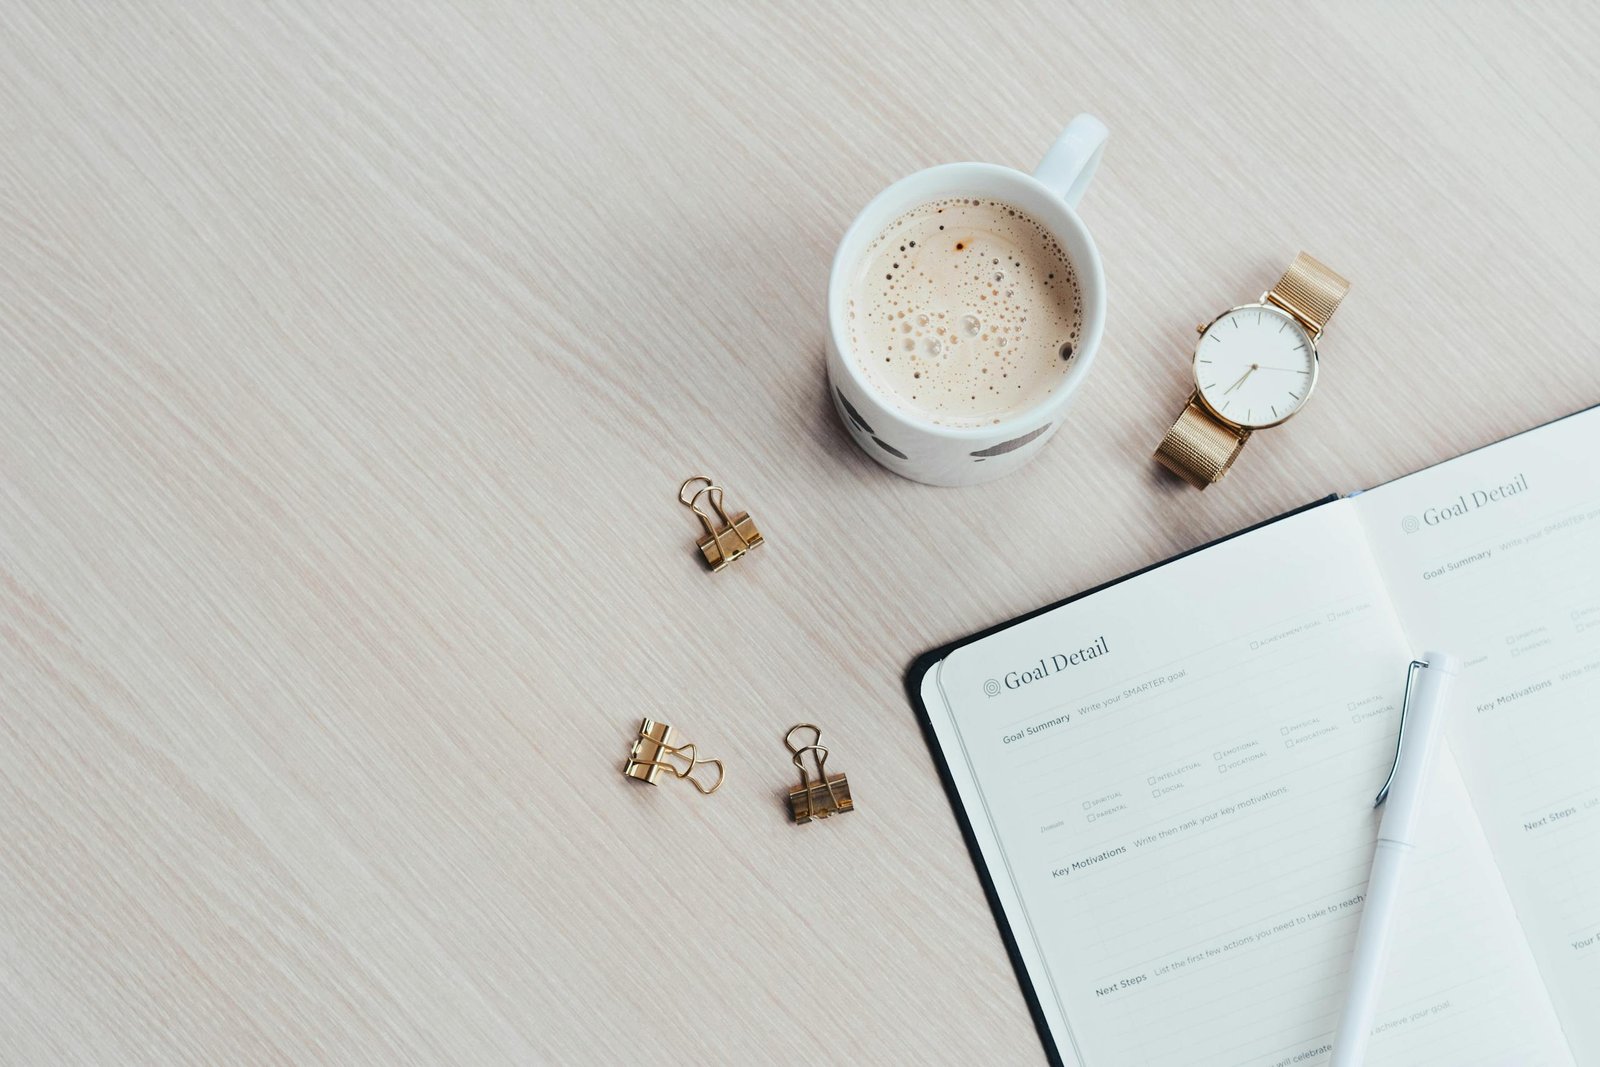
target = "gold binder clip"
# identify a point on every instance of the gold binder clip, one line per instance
(721, 545)
(829, 794)
(655, 750)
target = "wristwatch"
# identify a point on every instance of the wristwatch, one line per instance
(1254, 366)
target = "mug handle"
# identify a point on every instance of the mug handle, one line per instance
(1070, 164)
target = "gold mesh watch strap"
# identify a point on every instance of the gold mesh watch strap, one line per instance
(1199, 448)
(1309, 291)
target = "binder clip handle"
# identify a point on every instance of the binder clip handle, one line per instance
(687, 752)
(789, 742)
(818, 752)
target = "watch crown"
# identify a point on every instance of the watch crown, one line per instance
(1200, 328)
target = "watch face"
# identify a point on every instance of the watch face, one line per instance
(1255, 366)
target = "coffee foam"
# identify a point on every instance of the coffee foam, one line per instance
(964, 312)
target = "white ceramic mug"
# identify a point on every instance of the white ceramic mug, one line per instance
(945, 455)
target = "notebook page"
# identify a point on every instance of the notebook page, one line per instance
(1171, 781)
(1495, 556)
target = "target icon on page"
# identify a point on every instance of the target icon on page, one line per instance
(991, 687)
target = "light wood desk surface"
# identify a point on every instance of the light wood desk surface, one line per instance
(350, 357)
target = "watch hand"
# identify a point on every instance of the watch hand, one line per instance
(1240, 382)
(1290, 370)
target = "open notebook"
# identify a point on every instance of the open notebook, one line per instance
(1167, 782)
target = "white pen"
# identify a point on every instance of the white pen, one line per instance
(1422, 715)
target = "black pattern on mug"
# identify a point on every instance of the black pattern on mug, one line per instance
(1009, 446)
(887, 447)
(853, 415)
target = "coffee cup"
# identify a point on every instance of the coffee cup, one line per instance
(953, 363)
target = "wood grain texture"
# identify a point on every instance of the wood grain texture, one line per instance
(350, 355)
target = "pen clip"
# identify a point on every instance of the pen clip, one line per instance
(1400, 738)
